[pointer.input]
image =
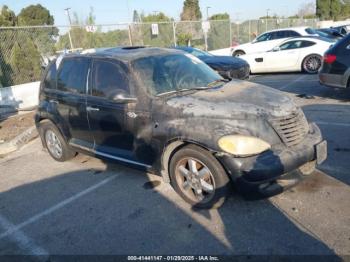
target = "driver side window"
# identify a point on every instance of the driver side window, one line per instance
(291, 45)
(108, 79)
(263, 37)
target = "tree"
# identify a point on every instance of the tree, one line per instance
(191, 11)
(332, 9)
(7, 17)
(136, 17)
(223, 16)
(35, 15)
(158, 17)
(307, 10)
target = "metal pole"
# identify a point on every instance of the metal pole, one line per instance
(250, 30)
(208, 12)
(70, 28)
(267, 17)
(130, 36)
(174, 33)
(229, 23)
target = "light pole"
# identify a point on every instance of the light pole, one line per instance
(267, 16)
(208, 12)
(70, 27)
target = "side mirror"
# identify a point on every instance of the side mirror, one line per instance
(123, 97)
(276, 48)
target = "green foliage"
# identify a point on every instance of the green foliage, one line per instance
(26, 60)
(35, 15)
(136, 17)
(191, 11)
(7, 17)
(223, 16)
(332, 9)
(159, 17)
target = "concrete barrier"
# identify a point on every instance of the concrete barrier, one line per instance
(19, 97)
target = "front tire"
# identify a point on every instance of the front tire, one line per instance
(54, 142)
(198, 177)
(312, 63)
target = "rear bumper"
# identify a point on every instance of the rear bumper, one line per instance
(264, 173)
(332, 80)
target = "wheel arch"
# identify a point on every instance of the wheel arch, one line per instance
(170, 149)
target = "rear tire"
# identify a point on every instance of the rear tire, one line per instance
(54, 142)
(312, 63)
(198, 177)
(238, 53)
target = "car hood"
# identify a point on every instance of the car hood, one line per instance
(224, 62)
(236, 99)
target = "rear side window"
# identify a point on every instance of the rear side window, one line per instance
(279, 35)
(307, 43)
(50, 78)
(292, 33)
(109, 78)
(73, 74)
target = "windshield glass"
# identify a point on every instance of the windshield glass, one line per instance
(168, 73)
(198, 53)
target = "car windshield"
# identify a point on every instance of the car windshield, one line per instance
(173, 73)
(198, 53)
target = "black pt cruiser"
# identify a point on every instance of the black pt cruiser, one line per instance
(167, 112)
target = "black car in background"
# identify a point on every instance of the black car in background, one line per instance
(335, 70)
(329, 33)
(227, 66)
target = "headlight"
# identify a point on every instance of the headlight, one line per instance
(242, 145)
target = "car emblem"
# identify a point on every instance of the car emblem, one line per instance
(132, 114)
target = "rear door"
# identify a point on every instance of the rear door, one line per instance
(70, 99)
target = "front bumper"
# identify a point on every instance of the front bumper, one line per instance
(261, 172)
(239, 73)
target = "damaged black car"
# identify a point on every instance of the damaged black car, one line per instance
(167, 112)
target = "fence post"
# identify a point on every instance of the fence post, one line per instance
(250, 30)
(130, 37)
(229, 23)
(174, 33)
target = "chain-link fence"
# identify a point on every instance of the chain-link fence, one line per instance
(25, 50)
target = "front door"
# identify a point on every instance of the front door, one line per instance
(107, 117)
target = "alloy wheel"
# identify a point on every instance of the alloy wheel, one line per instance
(53, 144)
(195, 180)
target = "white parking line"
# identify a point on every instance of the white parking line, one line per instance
(293, 82)
(24, 242)
(15, 228)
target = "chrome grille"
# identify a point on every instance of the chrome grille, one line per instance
(292, 129)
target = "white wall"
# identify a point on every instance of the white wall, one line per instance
(20, 96)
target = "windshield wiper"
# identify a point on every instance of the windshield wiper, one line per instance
(183, 90)
(217, 81)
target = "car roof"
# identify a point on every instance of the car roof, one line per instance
(315, 38)
(126, 53)
(300, 28)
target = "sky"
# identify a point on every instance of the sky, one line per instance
(114, 11)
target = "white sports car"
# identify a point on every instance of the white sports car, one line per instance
(270, 39)
(294, 54)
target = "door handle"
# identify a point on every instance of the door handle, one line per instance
(89, 108)
(53, 101)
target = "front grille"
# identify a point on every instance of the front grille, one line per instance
(292, 129)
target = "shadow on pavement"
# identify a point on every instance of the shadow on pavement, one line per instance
(131, 215)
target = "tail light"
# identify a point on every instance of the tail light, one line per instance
(329, 59)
